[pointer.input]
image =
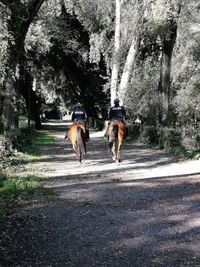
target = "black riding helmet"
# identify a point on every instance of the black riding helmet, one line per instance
(116, 101)
(78, 105)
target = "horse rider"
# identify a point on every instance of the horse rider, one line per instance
(117, 113)
(79, 116)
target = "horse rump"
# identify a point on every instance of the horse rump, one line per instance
(80, 144)
(113, 135)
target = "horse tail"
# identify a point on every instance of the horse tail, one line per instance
(80, 145)
(113, 135)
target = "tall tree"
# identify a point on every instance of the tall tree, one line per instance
(168, 13)
(132, 51)
(20, 16)
(116, 53)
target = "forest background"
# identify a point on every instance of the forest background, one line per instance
(146, 52)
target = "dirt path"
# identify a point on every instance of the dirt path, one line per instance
(143, 212)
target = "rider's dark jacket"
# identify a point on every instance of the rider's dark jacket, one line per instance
(117, 113)
(79, 115)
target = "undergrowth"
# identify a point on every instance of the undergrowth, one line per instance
(15, 188)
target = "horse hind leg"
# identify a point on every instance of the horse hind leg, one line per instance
(118, 159)
(84, 152)
(85, 149)
(77, 152)
(114, 150)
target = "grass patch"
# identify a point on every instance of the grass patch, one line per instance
(19, 188)
(191, 154)
(13, 187)
(177, 151)
(42, 139)
(39, 139)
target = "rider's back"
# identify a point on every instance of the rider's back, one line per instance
(78, 115)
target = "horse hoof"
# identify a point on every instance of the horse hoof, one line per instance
(118, 160)
(114, 158)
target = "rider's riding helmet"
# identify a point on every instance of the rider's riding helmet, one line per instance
(78, 105)
(116, 101)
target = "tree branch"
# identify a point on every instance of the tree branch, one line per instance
(33, 9)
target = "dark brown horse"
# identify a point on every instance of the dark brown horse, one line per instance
(78, 136)
(116, 134)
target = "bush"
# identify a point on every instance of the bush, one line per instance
(191, 138)
(149, 135)
(170, 138)
(197, 141)
(20, 137)
(134, 131)
(6, 149)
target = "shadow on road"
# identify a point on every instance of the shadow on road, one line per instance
(142, 213)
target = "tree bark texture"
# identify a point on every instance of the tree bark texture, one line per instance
(165, 70)
(34, 100)
(127, 69)
(115, 65)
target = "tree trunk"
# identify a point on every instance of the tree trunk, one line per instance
(165, 70)
(127, 69)
(34, 100)
(115, 66)
(9, 112)
(18, 25)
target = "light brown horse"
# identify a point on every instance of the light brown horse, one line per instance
(117, 132)
(78, 136)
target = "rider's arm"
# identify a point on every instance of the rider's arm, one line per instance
(72, 116)
(110, 114)
(85, 115)
(124, 112)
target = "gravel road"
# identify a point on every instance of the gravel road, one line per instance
(143, 212)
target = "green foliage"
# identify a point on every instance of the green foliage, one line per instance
(20, 137)
(149, 135)
(197, 141)
(18, 188)
(134, 131)
(26, 140)
(156, 29)
(143, 133)
(42, 139)
(13, 187)
(66, 39)
(191, 138)
(142, 97)
(170, 138)
(39, 139)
